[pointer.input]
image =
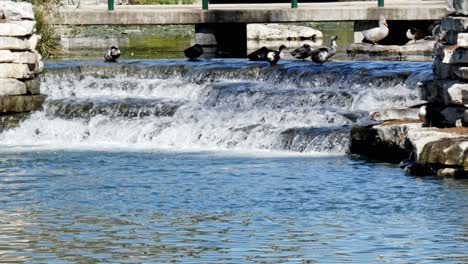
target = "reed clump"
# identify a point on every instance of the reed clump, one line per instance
(44, 11)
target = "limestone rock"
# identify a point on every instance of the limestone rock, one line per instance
(395, 113)
(12, 43)
(33, 86)
(458, 24)
(19, 43)
(19, 57)
(11, 87)
(458, 7)
(384, 142)
(444, 92)
(21, 103)
(452, 173)
(283, 31)
(15, 70)
(455, 55)
(422, 47)
(16, 10)
(443, 70)
(461, 72)
(445, 151)
(17, 28)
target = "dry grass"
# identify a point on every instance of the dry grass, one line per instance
(44, 11)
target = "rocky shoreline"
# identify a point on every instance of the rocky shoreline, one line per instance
(20, 63)
(431, 139)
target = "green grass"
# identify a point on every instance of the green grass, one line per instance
(161, 2)
(44, 11)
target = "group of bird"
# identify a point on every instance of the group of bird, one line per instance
(318, 55)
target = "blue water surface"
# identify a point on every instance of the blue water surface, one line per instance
(157, 207)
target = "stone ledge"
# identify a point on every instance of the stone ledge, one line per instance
(444, 92)
(33, 86)
(419, 48)
(12, 87)
(25, 57)
(19, 43)
(16, 10)
(400, 113)
(458, 24)
(16, 70)
(20, 103)
(430, 149)
(17, 28)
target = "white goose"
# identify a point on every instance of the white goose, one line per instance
(376, 34)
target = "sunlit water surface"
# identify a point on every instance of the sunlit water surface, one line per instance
(219, 161)
(154, 207)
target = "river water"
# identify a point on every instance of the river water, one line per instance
(219, 161)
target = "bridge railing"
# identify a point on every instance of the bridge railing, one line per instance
(110, 4)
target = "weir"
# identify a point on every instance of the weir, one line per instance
(214, 105)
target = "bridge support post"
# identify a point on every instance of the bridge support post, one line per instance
(225, 40)
(110, 5)
(293, 3)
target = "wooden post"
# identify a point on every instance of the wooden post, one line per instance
(381, 3)
(205, 4)
(293, 3)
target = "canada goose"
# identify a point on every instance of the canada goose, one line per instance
(274, 56)
(258, 55)
(112, 54)
(193, 52)
(322, 54)
(376, 34)
(302, 53)
(415, 34)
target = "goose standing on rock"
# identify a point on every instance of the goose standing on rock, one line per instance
(112, 54)
(258, 55)
(322, 54)
(376, 34)
(193, 52)
(303, 52)
(273, 56)
(415, 34)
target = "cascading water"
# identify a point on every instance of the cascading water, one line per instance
(213, 104)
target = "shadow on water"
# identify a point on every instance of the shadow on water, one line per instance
(157, 43)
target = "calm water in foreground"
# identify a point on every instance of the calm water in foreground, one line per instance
(153, 207)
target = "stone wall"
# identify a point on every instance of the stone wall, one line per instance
(20, 63)
(433, 140)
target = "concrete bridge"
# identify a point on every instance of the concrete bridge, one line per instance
(407, 10)
(224, 26)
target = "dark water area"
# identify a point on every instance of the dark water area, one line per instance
(158, 207)
(219, 161)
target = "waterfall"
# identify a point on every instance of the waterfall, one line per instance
(212, 104)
